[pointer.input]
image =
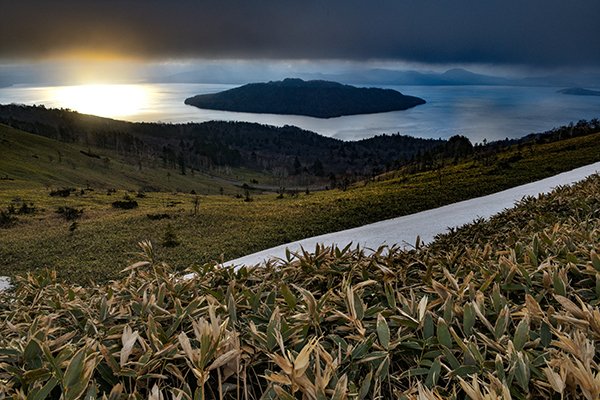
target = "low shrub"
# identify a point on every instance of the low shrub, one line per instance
(169, 238)
(125, 204)
(26, 209)
(69, 213)
(7, 219)
(155, 217)
(66, 192)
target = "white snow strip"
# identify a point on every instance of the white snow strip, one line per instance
(4, 283)
(426, 224)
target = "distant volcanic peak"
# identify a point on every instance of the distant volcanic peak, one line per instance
(317, 98)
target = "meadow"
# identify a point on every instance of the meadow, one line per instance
(193, 229)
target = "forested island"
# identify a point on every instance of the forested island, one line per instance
(321, 99)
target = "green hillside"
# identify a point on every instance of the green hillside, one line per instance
(279, 152)
(32, 161)
(497, 310)
(229, 226)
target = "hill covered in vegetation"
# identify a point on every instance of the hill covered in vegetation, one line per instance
(30, 161)
(260, 154)
(287, 153)
(77, 229)
(321, 99)
(496, 310)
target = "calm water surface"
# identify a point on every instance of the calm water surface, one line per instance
(478, 112)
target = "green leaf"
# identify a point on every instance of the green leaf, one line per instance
(465, 370)
(44, 391)
(365, 386)
(288, 296)
(468, 319)
(499, 368)
(428, 326)
(274, 325)
(359, 306)
(595, 260)
(443, 333)
(32, 355)
(501, 323)
(374, 356)
(390, 295)
(434, 373)
(383, 371)
(545, 334)
(362, 349)
(449, 310)
(522, 372)
(559, 285)
(521, 334)
(497, 300)
(53, 362)
(92, 393)
(451, 359)
(383, 332)
(107, 374)
(535, 248)
(475, 353)
(74, 371)
(414, 372)
(38, 374)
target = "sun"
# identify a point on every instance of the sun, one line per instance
(105, 100)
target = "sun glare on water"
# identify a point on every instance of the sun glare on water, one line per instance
(103, 100)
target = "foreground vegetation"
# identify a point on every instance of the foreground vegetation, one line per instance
(496, 310)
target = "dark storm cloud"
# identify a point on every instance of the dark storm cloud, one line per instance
(536, 32)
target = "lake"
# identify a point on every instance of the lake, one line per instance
(478, 112)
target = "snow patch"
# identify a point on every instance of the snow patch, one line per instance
(4, 283)
(426, 224)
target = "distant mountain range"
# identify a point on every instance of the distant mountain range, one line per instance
(451, 77)
(580, 92)
(455, 76)
(316, 98)
(240, 73)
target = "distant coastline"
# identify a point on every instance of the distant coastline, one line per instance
(320, 99)
(577, 91)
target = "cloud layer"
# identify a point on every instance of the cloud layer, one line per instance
(537, 33)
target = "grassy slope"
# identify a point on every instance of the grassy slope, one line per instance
(226, 227)
(35, 162)
(500, 309)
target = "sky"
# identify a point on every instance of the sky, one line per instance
(525, 34)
